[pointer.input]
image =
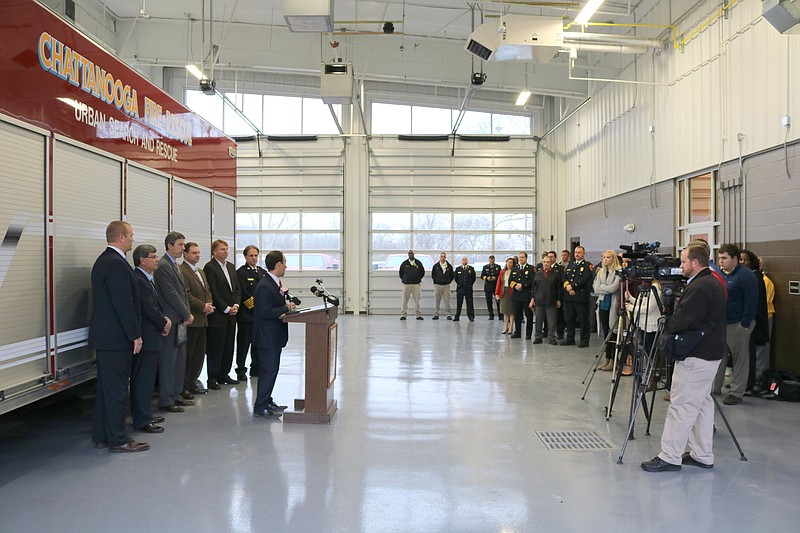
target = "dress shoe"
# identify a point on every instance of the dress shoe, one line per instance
(449, 317)
(527, 337)
(537, 341)
(515, 336)
(434, 318)
(172, 409)
(151, 428)
(472, 320)
(730, 399)
(583, 345)
(420, 318)
(266, 413)
(567, 343)
(275, 407)
(186, 395)
(242, 377)
(213, 385)
(227, 380)
(687, 459)
(130, 447)
(402, 318)
(184, 403)
(156, 419)
(491, 318)
(456, 319)
(657, 464)
(198, 391)
(253, 373)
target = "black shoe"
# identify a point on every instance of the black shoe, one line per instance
(687, 459)
(227, 380)
(657, 464)
(402, 318)
(266, 413)
(275, 407)
(491, 318)
(516, 336)
(213, 385)
(537, 341)
(472, 320)
(567, 343)
(527, 337)
(242, 377)
(554, 342)
(151, 428)
(156, 419)
(172, 409)
(420, 318)
(435, 318)
(253, 373)
(449, 317)
(198, 391)
(186, 395)
(456, 319)
(730, 399)
(184, 403)
(583, 345)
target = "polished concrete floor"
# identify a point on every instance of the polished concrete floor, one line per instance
(436, 432)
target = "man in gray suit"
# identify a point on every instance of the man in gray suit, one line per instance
(175, 303)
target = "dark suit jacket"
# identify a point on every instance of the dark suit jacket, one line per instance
(221, 294)
(153, 319)
(522, 275)
(701, 306)
(269, 330)
(199, 295)
(116, 315)
(171, 291)
(248, 279)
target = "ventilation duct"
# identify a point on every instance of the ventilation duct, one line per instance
(517, 38)
(784, 15)
(308, 15)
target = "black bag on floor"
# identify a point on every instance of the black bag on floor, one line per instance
(780, 385)
(789, 391)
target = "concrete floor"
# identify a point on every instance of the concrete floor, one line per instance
(436, 432)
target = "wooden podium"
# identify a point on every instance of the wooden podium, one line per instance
(318, 407)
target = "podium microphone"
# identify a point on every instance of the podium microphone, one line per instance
(333, 300)
(289, 298)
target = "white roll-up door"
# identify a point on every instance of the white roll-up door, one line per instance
(147, 202)
(23, 247)
(87, 195)
(225, 219)
(191, 214)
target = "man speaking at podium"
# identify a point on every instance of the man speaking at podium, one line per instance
(270, 333)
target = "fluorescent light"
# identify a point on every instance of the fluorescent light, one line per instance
(522, 99)
(195, 72)
(587, 11)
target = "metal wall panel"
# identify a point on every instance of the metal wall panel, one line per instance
(87, 195)
(191, 214)
(147, 206)
(225, 219)
(23, 353)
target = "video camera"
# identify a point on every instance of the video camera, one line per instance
(645, 263)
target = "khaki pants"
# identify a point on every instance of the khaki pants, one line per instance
(690, 415)
(442, 292)
(739, 345)
(410, 290)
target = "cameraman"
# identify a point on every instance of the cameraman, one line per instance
(690, 415)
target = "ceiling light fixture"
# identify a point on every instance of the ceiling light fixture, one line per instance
(196, 72)
(587, 11)
(522, 99)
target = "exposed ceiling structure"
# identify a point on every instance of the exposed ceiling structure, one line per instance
(417, 41)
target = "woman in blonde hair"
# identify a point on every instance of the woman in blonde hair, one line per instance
(606, 287)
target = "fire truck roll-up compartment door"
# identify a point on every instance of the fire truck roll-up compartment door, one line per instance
(23, 274)
(87, 195)
(191, 215)
(225, 222)
(147, 207)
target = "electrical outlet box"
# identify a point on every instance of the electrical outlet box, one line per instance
(651, 129)
(786, 120)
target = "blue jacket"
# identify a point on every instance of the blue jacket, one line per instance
(742, 296)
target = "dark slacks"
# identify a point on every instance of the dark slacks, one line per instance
(113, 373)
(270, 363)
(546, 318)
(219, 347)
(604, 327)
(195, 356)
(460, 297)
(491, 302)
(244, 343)
(519, 308)
(143, 381)
(577, 313)
(171, 368)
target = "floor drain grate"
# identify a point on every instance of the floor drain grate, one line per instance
(574, 440)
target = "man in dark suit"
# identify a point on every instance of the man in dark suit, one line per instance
(115, 332)
(489, 275)
(248, 276)
(172, 294)
(577, 282)
(155, 326)
(464, 277)
(199, 295)
(521, 281)
(270, 333)
(220, 335)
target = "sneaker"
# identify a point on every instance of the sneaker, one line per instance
(730, 399)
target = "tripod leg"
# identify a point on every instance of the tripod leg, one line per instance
(727, 425)
(594, 366)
